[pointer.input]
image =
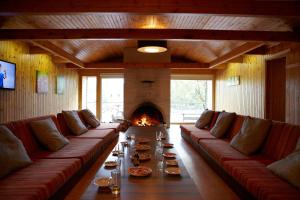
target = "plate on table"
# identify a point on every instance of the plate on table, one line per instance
(142, 147)
(144, 156)
(169, 155)
(103, 182)
(172, 170)
(143, 140)
(168, 145)
(110, 164)
(172, 162)
(140, 171)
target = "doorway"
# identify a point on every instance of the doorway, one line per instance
(275, 89)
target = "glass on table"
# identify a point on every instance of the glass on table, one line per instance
(116, 182)
(158, 135)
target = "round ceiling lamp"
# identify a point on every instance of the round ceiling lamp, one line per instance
(152, 46)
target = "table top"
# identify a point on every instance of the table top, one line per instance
(158, 185)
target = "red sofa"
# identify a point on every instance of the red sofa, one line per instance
(52, 173)
(248, 175)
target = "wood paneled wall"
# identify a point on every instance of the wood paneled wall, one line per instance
(24, 102)
(292, 100)
(248, 98)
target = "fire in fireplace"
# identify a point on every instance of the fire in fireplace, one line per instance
(147, 114)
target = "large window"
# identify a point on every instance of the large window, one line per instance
(189, 97)
(89, 93)
(112, 98)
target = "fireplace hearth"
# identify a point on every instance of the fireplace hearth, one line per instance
(147, 114)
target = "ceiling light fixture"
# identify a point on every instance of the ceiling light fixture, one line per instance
(152, 46)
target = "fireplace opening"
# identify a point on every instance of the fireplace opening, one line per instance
(147, 114)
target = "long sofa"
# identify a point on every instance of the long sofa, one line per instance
(52, 174)
(247, 175)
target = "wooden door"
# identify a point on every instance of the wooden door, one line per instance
(275, 89)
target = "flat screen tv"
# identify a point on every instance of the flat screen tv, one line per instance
(7, 75)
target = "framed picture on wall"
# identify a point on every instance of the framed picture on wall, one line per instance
(60, 84)
(42, 82)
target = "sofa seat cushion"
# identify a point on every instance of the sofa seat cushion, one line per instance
(103, 126)
(220, 150)
(39, 180)
(84, 149)
(260, 181)
(188, 128)
(101, 134)
(201, 134)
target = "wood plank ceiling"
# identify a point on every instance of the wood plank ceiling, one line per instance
(203, 51)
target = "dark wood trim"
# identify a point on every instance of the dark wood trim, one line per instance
(217, 7)
(57, 51)
(170, 34)
(235, 53)
(143, 65)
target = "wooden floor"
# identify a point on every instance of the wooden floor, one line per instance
(210, 186)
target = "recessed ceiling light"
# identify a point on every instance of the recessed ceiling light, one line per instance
(152, 46)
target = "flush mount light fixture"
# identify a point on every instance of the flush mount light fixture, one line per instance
(152, 46)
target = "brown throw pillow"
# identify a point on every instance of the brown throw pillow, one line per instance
(13, 155)
(205, 118)
(288, 168)
(74, 122)
(222, 124)
(251, 136)
(48, 134)
(90, 118)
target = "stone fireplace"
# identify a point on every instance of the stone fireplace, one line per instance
(148, 89)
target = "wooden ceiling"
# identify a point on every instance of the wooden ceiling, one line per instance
(122, 21)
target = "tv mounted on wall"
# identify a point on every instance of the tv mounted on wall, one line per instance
(7, 75)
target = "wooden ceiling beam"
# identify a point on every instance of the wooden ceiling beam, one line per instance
(144, 65)
(270, 8)
(57, 51)
(171, 34)
(249, 46)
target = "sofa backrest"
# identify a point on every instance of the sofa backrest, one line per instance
(235, 127)
(23, 131)
(214, 120)
(281, 140)
(65, 130)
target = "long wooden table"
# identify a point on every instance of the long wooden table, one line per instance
(156, 186)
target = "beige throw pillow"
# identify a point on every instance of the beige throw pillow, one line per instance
(251, 136)
(74, 122)
(13, 155)
(288, 168)
(222, 124)
(90, 118)
(205, 118)
(48, 134)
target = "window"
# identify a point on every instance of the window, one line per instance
(190, 95)
(112, 98)
(89, 93)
